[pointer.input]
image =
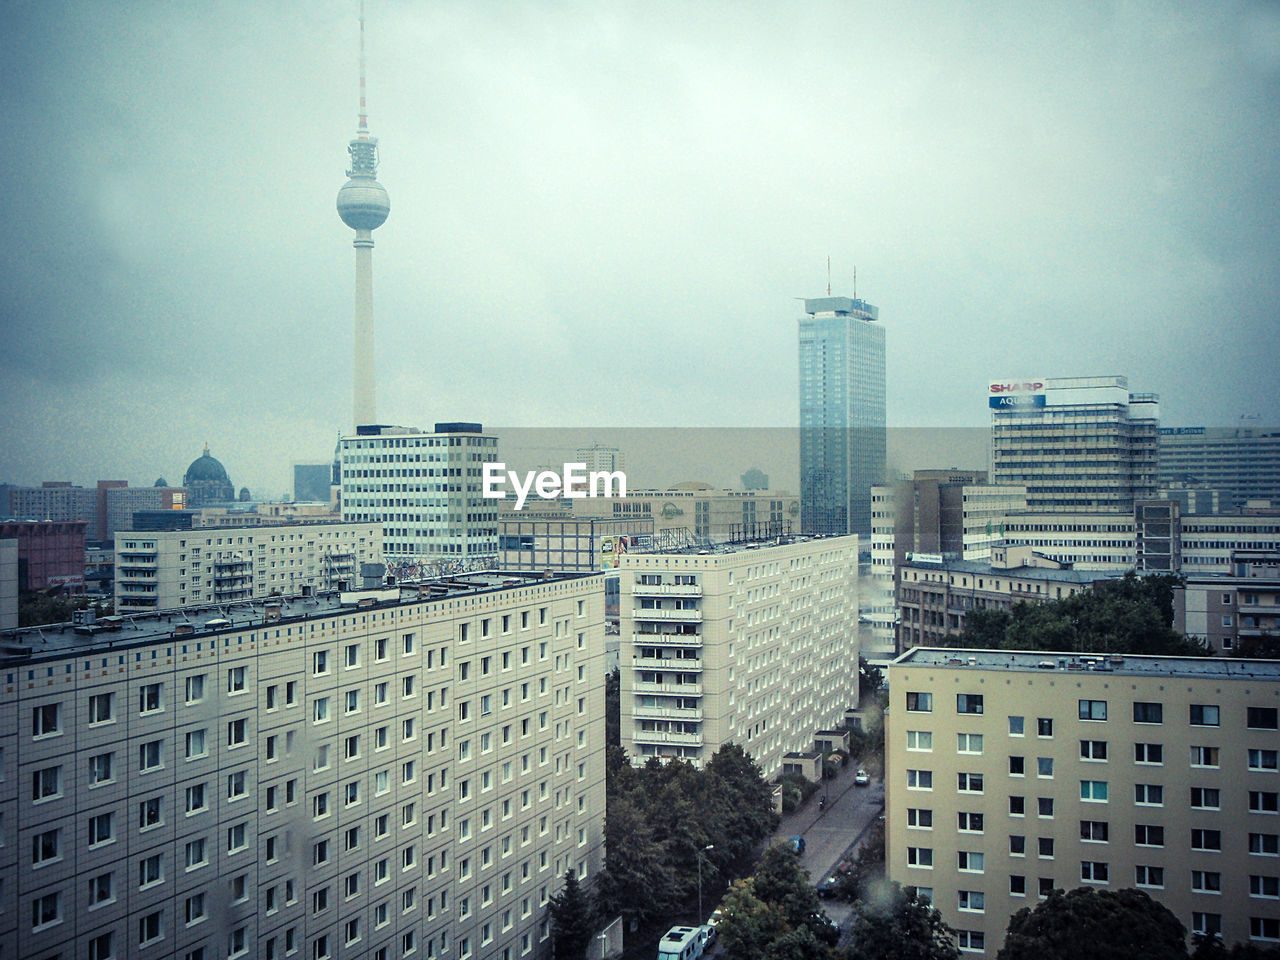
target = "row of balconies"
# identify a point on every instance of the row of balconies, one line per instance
(666, 736)
(667, 590)
(693, 616)
(666, 663)
(679, 689)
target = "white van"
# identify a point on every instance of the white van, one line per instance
(682, 943)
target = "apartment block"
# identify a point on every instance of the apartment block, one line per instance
(755, 645)
(1013, 774)
(1244, 463)
(700, 510)
(378, 774)
(1228, 609)
(171, 569)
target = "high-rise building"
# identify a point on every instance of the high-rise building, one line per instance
(1244, 463)
(426, 489)
(842, 415)
(755, 645)
(1012, 774)
(599, 456)
(363, 205)
(1079, 444)
(311, 482)
(373, 775)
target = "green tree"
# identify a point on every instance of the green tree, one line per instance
(572, 920)
(1089, 924)
(869, 679)
(613, 709)
(774, 915)
(1212, 948)
(893, 923)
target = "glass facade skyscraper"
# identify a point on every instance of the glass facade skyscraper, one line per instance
(842, 415)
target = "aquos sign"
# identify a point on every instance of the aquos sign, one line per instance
(1011, 393)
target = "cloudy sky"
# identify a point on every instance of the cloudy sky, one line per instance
(602, 213)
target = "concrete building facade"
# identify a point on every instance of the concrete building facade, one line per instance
(1013, 774)
(1079, 444)
(8, 585)
(51, 553)
(1243, 463)
(843, 441)
(567, 544)
(427, 491)
(364, 777)
(171, 569)
(755, 646)
(701, 510)
(1233, 612)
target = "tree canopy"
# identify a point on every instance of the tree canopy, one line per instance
(572, 920)
(892, 923)
(1130, 615)
(774, 915)
(1091, 924)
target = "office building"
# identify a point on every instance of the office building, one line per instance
(51, 553)
(755, 645)
(311, 482)
(171, 569)
(371, 776)
(935, 594)
(1079, 445)
(947, 514)
(699, 510)
(842, 415)
(564, 543)
(1242, 463)
(426, 489)
(1013, 774)
(1234, 613)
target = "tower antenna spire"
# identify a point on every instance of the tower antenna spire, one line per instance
(828, 274)
(855, 282)
(362, 129)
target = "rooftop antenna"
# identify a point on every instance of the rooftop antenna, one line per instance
(828, 274)
(855, 283)
(362, 128)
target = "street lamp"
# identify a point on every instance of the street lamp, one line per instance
(709, 846)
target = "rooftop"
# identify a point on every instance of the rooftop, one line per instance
(122, 632)
(1030, 573)
(1044, 661)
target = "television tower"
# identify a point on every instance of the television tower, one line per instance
(363, 205)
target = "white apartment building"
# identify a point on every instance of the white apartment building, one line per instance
(170, 569)
(426, 489)
(1013, 774)
(368, 776)
(755, 646)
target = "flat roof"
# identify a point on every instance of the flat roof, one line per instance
(1031, 573)
(138, 629)
(1045, 661)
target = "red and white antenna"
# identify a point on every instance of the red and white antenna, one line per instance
(362, 131)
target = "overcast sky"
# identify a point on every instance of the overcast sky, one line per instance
(602, 213)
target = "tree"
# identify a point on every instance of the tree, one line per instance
(1212, 948)
(774, 915)
(1089, 924)
(613, 708)
(893, 923)
(869, 679)
(572, 920)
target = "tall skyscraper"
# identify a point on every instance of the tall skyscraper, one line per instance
(842, 415)
(1078, 444)
(363, 205)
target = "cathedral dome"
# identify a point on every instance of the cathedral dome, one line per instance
(206, 469)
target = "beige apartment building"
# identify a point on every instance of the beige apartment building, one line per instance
(1013, 774)
(702, 510)
(363, 776)
(171, 569)
(756, 645)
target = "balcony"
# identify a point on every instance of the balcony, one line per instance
(666, 590)
(675, 689)
(687, 616)
(665, 663)
(667, 639)
(664, 736)
(665, 713)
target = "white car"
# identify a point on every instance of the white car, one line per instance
(862, 778)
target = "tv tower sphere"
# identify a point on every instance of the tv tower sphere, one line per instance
(363, 203)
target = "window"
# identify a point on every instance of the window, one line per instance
(149, 757)
(1264, 760)
(1017, 885)
(1148, 835)
(969, 782)
(1144, 712)
(1148, 753)
(1044, 807)
(1017, 806)
(351, 654)
(1265, 887)
(1093, 709)
(968, 703)
(235, 680)
(193, 908)
(351, 701)
(1044, 848)
(919, 818)
(971, 941)
(46, 783)
(1094, 831)
(1264, 801)
(1017, 845)
(1262, 718)
(197, 854)
(1206, 839)
(1144, 876)
(1044, 766)
(1151, 794)
(46, 910)
(149, 928)
(101, 708)
(1204, 756)
(920, 857)
(149, 698)
(196, 745)
(969, 743)
(237, 732)
(1204, 715)
(273, 692)
(919, 779)
(236, 785)
(1017, 766)
(1206, 881)
(971, 901)
(969, 861)
(196, 798)
(101, 889)
(1264, 844)
(1016, 725)
(100, 947)
(969, 822)
(920, 702)
(1093, 749)
(1205, 798)
(919, 740)
(320, 710)
(1045, 885)
(1093, 790)
(1044, 726)
(1093, 871)
(1264, 928)
(236, 838)
(149, 813)
(320, 662)
(46, 846)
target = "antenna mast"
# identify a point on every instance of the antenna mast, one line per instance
(855, 283)
(362, 129)
(828, 274)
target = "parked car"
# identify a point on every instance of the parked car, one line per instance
(797, 844)
(828, 887)
(862, 778)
